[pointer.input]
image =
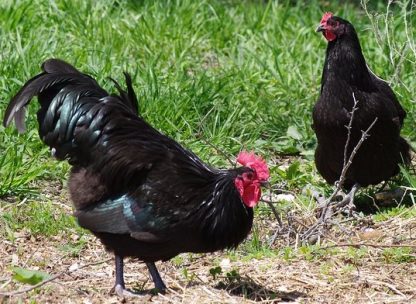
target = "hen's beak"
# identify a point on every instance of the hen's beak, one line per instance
(320, 28)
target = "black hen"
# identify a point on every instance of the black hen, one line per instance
(136, 189)
(346, 73)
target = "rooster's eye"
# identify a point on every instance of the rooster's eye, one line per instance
(249, 175)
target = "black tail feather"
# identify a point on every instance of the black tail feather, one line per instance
(129, 98)
(56, 73)
(131, 93)
(57, 66)
(33, 87)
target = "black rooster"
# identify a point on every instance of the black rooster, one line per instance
(136, 189)
(346, 74)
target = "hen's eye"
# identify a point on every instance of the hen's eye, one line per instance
(332, 22)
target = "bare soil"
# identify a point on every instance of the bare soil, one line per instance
(339, 274)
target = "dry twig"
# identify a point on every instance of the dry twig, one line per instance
(349, 127)
(358, 245)
(329, 209)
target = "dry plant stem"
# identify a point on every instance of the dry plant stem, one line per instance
(347, 163)
(397, 54)
(386, 24)
(390, 286)
(276, 214)
(329, 207)
(25, 290)
(349, 127)
(365, 134)
(358, 245)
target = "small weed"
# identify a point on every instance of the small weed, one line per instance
(399, 255)
(233, 276)
(177, 260)
(326, 269)
(27, 276)
(215, 271)
(189, 276)
(402, 211)
(288, 253)
(74, 249)
(348, 269)
(354, 256)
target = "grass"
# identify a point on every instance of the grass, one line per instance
(235, 74)
(37, 219)
(239, 74)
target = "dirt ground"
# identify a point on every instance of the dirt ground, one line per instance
(380, 273)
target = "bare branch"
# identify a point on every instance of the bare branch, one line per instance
(276, 214)
(349, 127)
(329, 208)
(364, 136)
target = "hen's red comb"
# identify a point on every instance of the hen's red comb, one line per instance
(249, 159)
(325, 17)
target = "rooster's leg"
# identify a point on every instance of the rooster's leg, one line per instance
(119, 271)
(119, 288)
(160, 286)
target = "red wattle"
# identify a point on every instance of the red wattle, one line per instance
(330, 36)
(251, 195)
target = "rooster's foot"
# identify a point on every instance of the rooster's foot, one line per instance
(125, 293)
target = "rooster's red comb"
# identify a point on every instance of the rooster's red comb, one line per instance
(249, 159)
(325, 17)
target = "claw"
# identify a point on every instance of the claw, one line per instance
(124, 293)
(340, 202)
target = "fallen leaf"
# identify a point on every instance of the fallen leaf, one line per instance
(27, 276)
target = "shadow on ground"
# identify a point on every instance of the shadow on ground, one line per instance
(247, 288)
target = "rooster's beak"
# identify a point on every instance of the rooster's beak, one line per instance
(320, 28)
(265, 184)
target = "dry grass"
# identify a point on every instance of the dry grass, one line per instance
(327, 273)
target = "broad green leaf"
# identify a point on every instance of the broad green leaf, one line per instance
(27, 276)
